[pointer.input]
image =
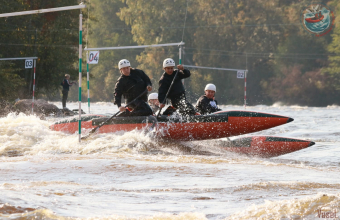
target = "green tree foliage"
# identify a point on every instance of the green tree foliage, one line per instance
(266, 37)
(298, 62)
(155, 22)
(107, 30)
(334, 49)
(286, 63)
(303, 88)
(235, 34)
(9, 82)
(53, 37)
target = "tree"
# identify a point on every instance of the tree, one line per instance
(236, 34)
(53, 37)
(334, 49)
(155, 22)
(296, 87)
(298, 64)
(107, 30)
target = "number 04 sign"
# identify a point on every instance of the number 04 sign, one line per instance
(28, 64)
(93, 57)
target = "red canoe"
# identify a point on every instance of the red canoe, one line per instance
(266, 146)
(314, 19)
(200, 127)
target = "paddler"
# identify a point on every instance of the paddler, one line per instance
(131, 84)
(153, 102)
(177, 91)
(207, 104)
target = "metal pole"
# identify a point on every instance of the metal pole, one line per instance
(134, 47)
(212, 68)
(80, 76)
(34, 67)
(88, 81)
(19, 58)
(42, 11)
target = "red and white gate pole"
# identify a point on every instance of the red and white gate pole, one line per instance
(80, 75)
(34, 67)
(88, 81)
(245, 88)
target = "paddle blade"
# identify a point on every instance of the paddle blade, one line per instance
(85, 137)
(91, 132)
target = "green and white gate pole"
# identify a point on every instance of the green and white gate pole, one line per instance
(180, 54)
(88, 81)
(80, 76)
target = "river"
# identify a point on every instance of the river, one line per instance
(49, 175)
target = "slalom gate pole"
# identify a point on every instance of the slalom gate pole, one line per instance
(245, 88)
(88, 81)
(80, 76)
(180, 58)
(34, 67)
(180, 54)
(245, 82)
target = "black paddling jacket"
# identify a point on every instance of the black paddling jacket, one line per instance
(131, 86)
(177, 88)
(206, 106)
(66, 85)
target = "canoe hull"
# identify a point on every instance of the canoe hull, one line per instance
(314, 20)
(217, 125)
(266, 146)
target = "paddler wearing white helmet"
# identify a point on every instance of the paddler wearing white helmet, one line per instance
(207, 104)
(176, 92)
(153, 101)
(133, 85)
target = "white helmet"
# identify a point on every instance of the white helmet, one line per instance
(153, 96)
(168, 62)
(210, 86)
(123, 63)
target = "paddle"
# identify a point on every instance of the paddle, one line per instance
(105, 122)
(159, 112)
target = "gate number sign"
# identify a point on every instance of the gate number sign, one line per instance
(240, 74)
(93, 57)
(28, 64)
